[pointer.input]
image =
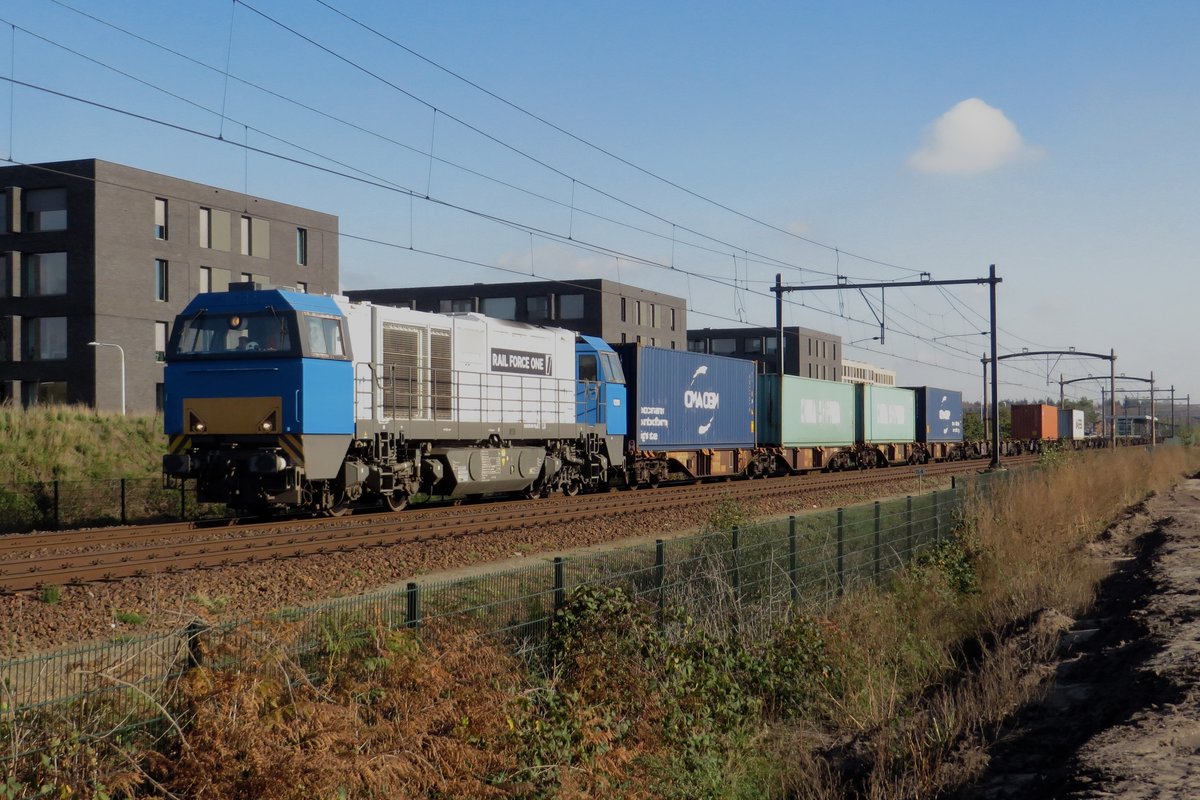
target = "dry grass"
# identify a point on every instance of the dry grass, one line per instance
(918, 712)
(74, 443)
(388, 717)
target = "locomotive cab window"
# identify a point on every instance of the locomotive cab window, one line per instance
(323, 336)
(612, 367)
(587, 367)
(234, 335)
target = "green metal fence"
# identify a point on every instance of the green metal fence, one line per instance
(749, 575)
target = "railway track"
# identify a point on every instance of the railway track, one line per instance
(75, 557)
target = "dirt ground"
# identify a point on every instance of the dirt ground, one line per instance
(1122, 719)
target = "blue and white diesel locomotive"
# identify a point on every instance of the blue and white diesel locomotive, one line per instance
(280, 399)
(276, 399)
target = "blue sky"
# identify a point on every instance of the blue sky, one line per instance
(1055, 140)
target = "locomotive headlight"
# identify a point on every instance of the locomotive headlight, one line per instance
(268, 424)
(195, 424)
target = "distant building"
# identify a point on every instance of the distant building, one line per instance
(862, 372)
(807, 353)
(615, 312)
(95, 251)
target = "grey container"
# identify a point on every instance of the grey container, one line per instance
(939, 414)
(680, 400)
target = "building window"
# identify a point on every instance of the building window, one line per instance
(456, 306)
(696, 345)
(754, 344)
(160, 341)
(653, 341)
(45, 210)
(5, 275)
(160, 398)
(44, 393)
(302, 246)
(500, 307)
(4, 193)
(247, 277)
(214, 228)
(672, 319)
(772, 343)
(256, 237)
(5, 341)
(637, 312)
(205, 279)
(537, 308)
(570, 306)
(624, 337)
(161, 280)
(45, 274)
(44, 338)
(220, 279)
(302, 287)
(160, 218)
(724, 346)
(622, 309)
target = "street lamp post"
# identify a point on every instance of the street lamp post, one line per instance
(122, 352)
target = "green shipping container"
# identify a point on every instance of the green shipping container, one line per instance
(885, 414)
(810, 413)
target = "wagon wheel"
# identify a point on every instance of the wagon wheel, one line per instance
(571, 488)
(395, 501)
(338, 510)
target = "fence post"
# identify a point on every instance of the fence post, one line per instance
(736, 578)
(937, 516)
(192, 633)
(792, 558)
(908, 527)
(57, 526)
(877, 556)
(122, 501)
(412, 609)
(560, 594)
(660, 579)
(841, 538)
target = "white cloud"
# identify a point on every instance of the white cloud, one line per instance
(969, 139)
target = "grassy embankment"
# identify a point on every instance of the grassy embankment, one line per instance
(75, 443)
(887, 694)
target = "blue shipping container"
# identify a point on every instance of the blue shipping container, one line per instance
(680, 400)
(939, 414)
